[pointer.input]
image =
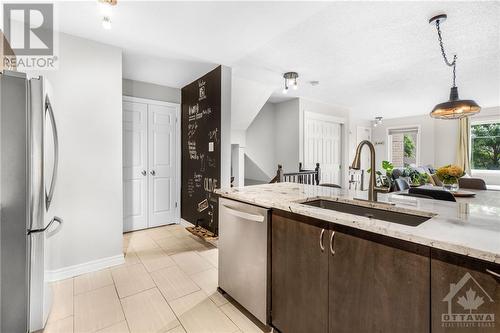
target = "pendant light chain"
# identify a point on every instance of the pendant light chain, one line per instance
(443, 53)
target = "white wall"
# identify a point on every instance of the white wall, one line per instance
(88, 196)
(247, 99)
(261, 136)
(151, 91)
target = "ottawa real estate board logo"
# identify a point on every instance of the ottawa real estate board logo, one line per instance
(467, 302)
(28, 41)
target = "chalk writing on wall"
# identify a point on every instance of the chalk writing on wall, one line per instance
(200, 124)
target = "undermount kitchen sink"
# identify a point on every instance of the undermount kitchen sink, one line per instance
(375, 213)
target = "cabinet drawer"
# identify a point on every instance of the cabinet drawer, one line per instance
(465, 294)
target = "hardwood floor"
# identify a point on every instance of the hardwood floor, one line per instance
(167, 284)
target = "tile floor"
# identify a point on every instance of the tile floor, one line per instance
(168, 283)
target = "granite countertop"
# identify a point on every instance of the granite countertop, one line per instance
(470, 226)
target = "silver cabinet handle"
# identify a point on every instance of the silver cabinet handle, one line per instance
(144, 172)
(321, 240)
(152, 172)
(493, 273)
(332, 251)
(50, 194)
(54, 219)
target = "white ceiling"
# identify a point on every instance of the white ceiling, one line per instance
(375, 58)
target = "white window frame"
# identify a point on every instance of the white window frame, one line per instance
(489, 120)
(389, 141)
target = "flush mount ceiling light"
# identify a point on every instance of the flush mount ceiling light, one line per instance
(290, 80)
(105, 11)
(377, 121)
(106, 22)
(455, 108)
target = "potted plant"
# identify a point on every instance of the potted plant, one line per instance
(449, 175)
(384, 181)
(414, 177)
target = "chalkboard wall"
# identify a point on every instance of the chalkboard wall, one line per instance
(201, 150)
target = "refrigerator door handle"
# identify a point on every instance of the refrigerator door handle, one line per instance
(54, 219)
(50, 194)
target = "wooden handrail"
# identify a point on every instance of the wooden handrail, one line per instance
(279, 175)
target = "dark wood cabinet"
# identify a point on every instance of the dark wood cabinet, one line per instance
(378, 284)
(370, 283)
(465, 294)
(299, 276)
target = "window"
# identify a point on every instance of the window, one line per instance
(485, 145)
(403, 146)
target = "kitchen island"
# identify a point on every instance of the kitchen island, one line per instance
(333, 271)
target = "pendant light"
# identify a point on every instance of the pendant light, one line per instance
(455, 108)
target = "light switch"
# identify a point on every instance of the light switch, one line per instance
(210, 147)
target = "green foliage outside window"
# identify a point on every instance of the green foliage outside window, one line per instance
(485, 146)
(409, 146)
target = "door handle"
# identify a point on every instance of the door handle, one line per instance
(321, 246)
(50, 194)
(152, 172)
(54, 219)
(143, 172)
(332, 251)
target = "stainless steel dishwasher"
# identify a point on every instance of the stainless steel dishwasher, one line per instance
(243, 255)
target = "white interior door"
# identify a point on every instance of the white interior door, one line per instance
(135, 159)
(162, 164)
(323, 145)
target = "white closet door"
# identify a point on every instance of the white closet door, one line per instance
(162, 163)
(135, 159)
(322, 144)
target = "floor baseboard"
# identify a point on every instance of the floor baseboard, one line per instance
(86, 267)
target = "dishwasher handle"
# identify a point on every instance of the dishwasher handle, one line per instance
(244, 215)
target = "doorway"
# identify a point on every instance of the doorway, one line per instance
(323, 145)
(151, 163)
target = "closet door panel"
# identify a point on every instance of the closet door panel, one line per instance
(135, 159)
(162, 164)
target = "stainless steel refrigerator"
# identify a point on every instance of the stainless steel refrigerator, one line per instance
(28, 169)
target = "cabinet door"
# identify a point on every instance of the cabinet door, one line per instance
(465, 294)
(299, 270)
(378, 286)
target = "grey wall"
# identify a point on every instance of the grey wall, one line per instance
(260, 147)
(151, 91)
(287, 131)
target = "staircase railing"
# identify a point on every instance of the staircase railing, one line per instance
(311, 177)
